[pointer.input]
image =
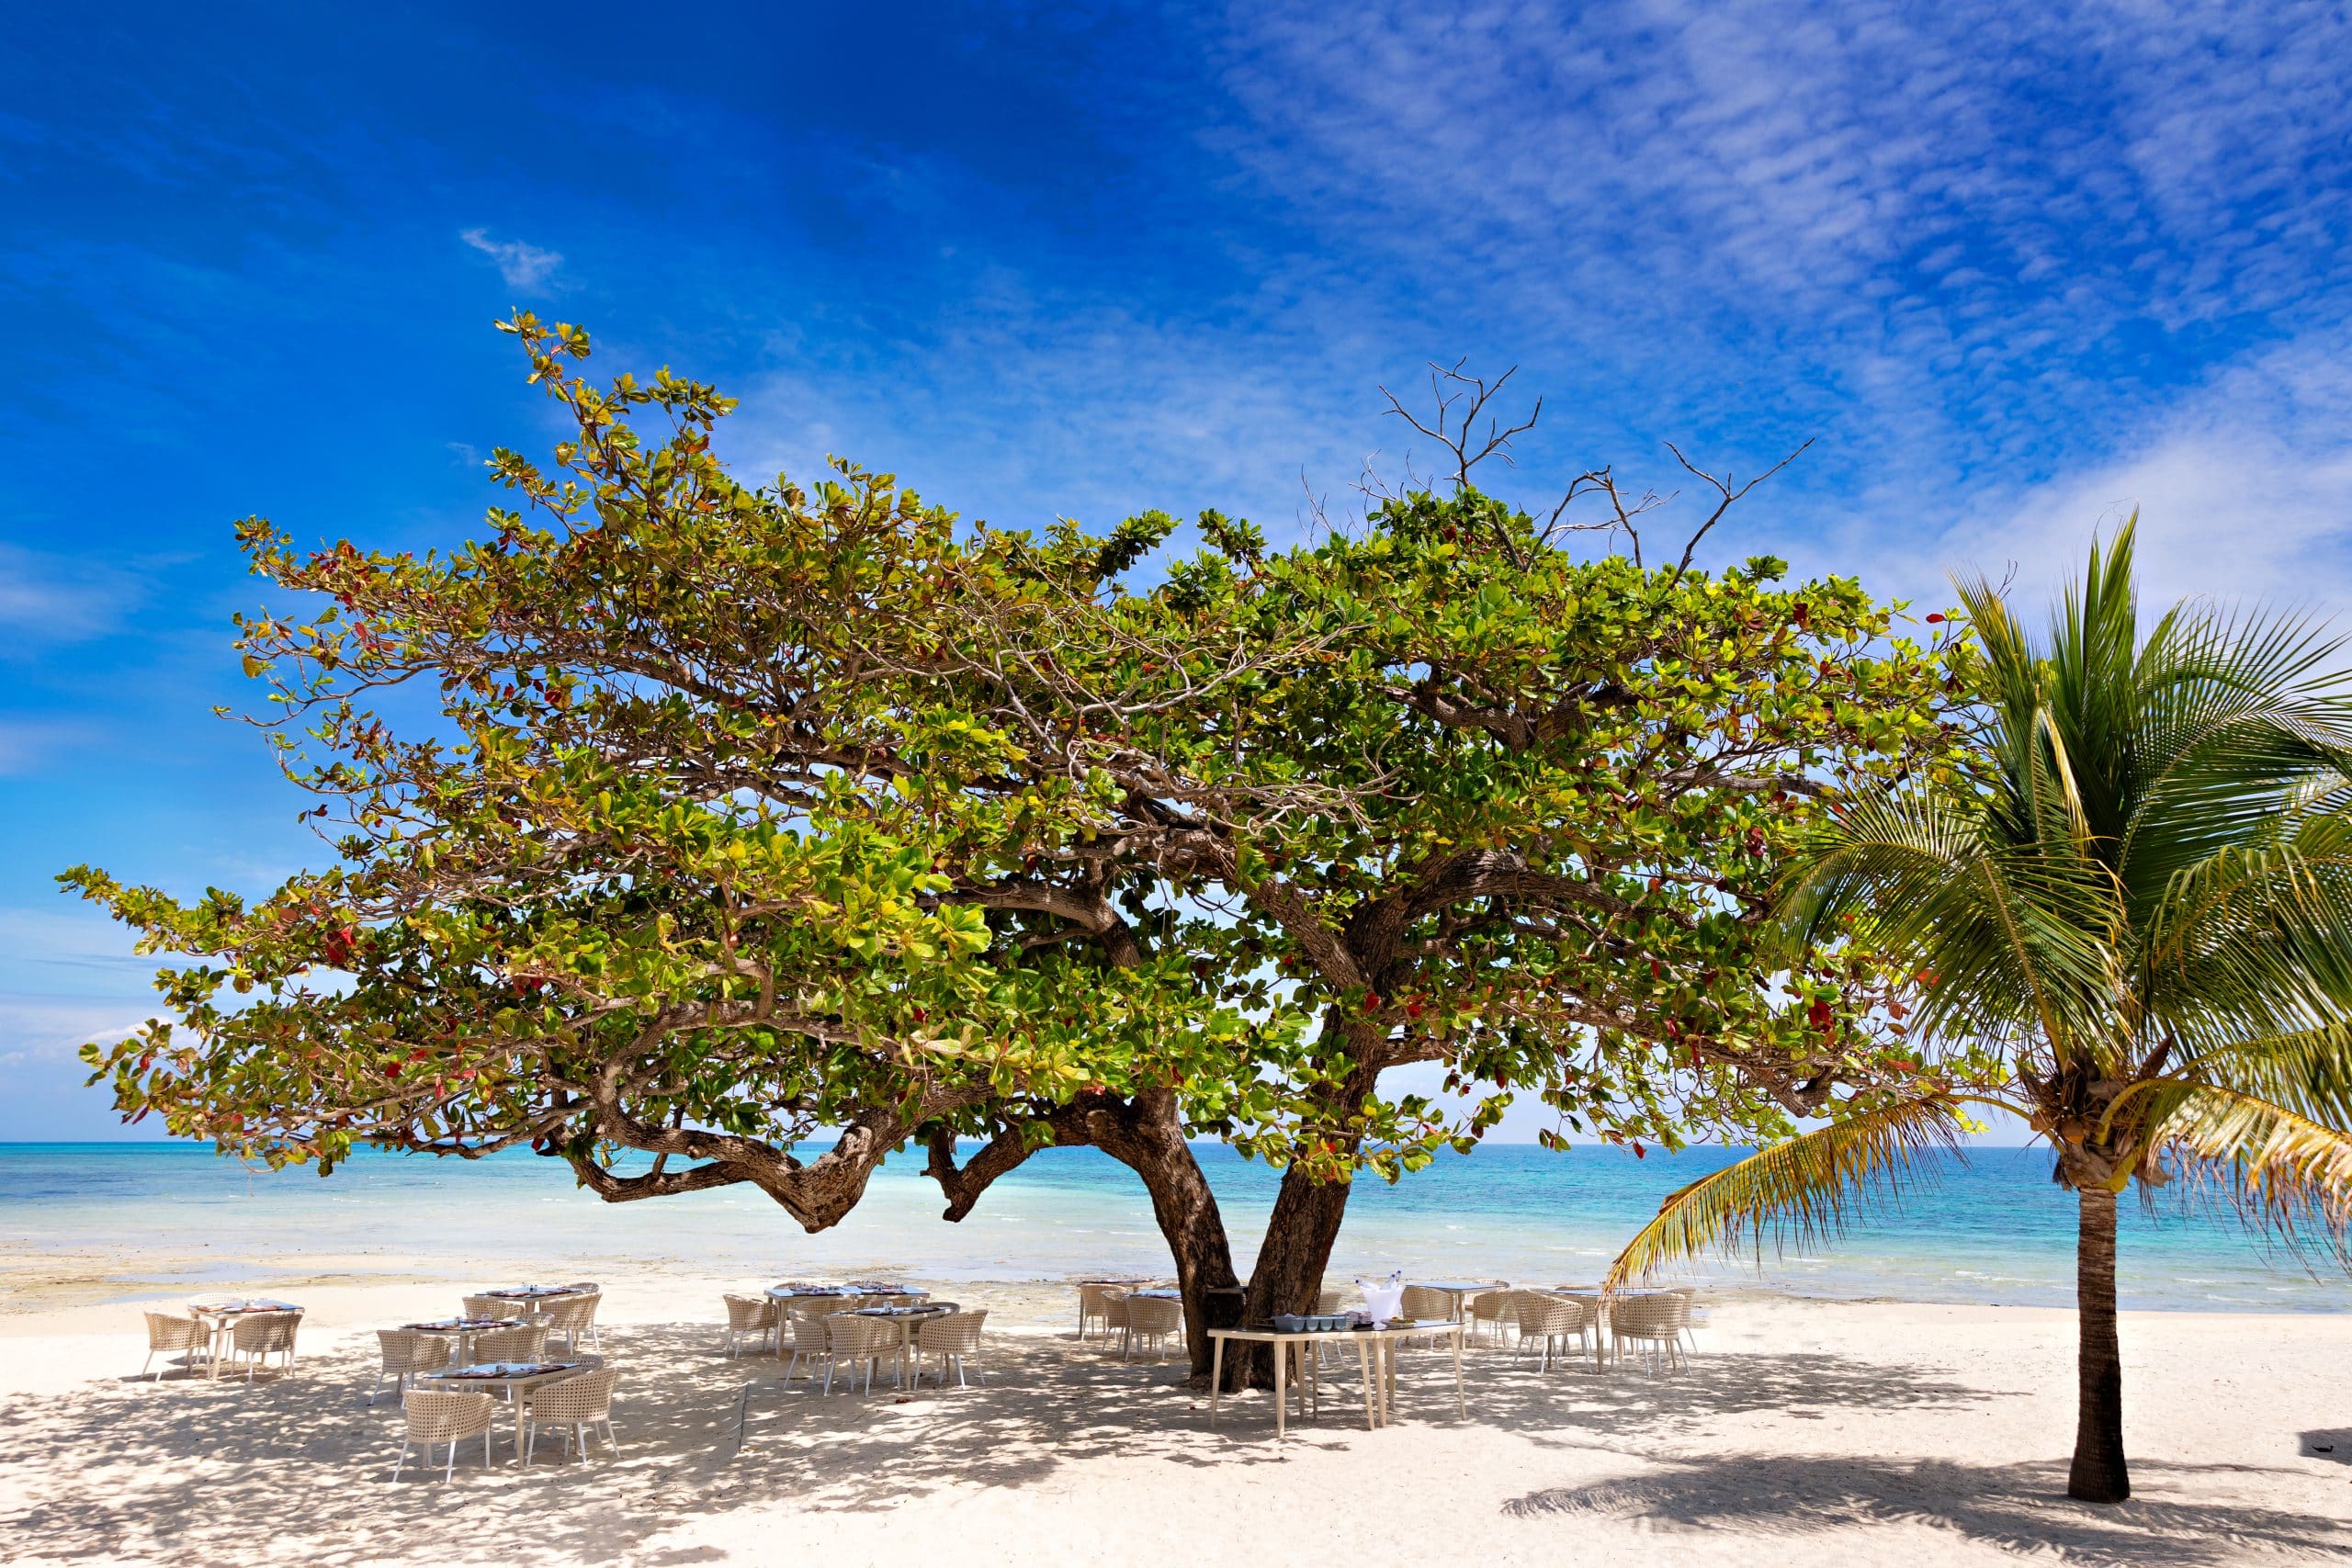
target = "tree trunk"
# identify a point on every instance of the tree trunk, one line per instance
(2099, 1474)
(1151, 1144)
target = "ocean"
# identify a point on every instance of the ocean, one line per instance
(153, 1218)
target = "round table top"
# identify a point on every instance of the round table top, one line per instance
(531, 1292)
(463, 1325)
(1158, 1295)
(1459, 1287)
(238, 1308)
(843, 1293)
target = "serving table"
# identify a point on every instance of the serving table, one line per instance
(515, 1378)
(1376, 1355)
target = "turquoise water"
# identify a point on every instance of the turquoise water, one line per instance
(1990, 1230)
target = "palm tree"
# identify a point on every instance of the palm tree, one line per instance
(2136, 917)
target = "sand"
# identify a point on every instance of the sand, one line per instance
(1805, 1432)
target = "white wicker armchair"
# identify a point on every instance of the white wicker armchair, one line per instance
(752, 1315)
(257, 1336)
(166, 1334)
(575, 1407)
(435, 1418)
(955, 1338)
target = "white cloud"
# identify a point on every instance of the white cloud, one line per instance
(28, 745)
(522, 266)
(48, 598)
(2244, 489)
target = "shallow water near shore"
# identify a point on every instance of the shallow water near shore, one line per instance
(120, 1220)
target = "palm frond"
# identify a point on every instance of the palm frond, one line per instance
(1802, 1191)
(2290, 1173)
(2013, 935)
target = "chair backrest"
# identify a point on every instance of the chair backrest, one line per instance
(569, 1314)
(265, 1331)
(1422, 1302)
(489, 1306)
(399, 1346)
(1154, 1314)
(1531, 1306)
(527, 1343)
(1091, 1298)
(167, 1332)
(748, 1311)
(1660, 1316)
(1115, 1308)
(438, 1417)
(588, 1397)
(846, 1334)
(958, 1334)
(1493, 1307)
(1327, 1300)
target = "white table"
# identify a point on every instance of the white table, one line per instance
(1376, 1354)
(455, 1379)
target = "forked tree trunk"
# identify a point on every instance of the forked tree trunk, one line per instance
(1153, 1146)
(2099, 1474)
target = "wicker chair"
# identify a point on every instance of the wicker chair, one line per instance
(1553, 1320)
(492, 1306)
(575, 1407)
(852, 1340)
(406, 1353)
(754, 1315)
(527, 1343)
(257, 1336)
(1093, 1302)
(1114, 1314)
(1690, 1294)
(572, 1316)
(1156, 1318)
(166, 1334)
(1495, 1310)
(444, 1418)
(1653, 1324)
(804, 1332)
(955, 1338)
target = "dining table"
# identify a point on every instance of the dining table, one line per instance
(461, 1330)
(222, 1317)
(517, 1378)
(530, 1296)
(862, 1291)
(1375, 1356)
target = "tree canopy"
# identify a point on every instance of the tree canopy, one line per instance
(739, 811)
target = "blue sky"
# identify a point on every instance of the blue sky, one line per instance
(2017, 267)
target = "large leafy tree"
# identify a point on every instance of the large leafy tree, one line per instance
(744, 811)
(2141, 906)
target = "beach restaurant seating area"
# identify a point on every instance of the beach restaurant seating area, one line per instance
(528, 1361)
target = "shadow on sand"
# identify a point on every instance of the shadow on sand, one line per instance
(301, 1466)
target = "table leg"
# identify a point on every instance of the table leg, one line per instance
(1388, 1383)
(1460, 1406)
(1282, 1397)
(1364, 1360)
(1216, 1374)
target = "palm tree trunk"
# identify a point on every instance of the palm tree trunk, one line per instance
(2099, 1474)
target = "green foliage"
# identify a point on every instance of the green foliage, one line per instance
(749, 810)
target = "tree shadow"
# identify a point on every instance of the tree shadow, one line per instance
(2021, 1507)
(301, 1466)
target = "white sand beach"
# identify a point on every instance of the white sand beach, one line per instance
(1805, 1432)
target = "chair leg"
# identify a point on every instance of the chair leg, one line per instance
(485, 1448)
(449, 1471)
(402, 1461)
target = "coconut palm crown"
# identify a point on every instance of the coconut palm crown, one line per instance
(2141, 906)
